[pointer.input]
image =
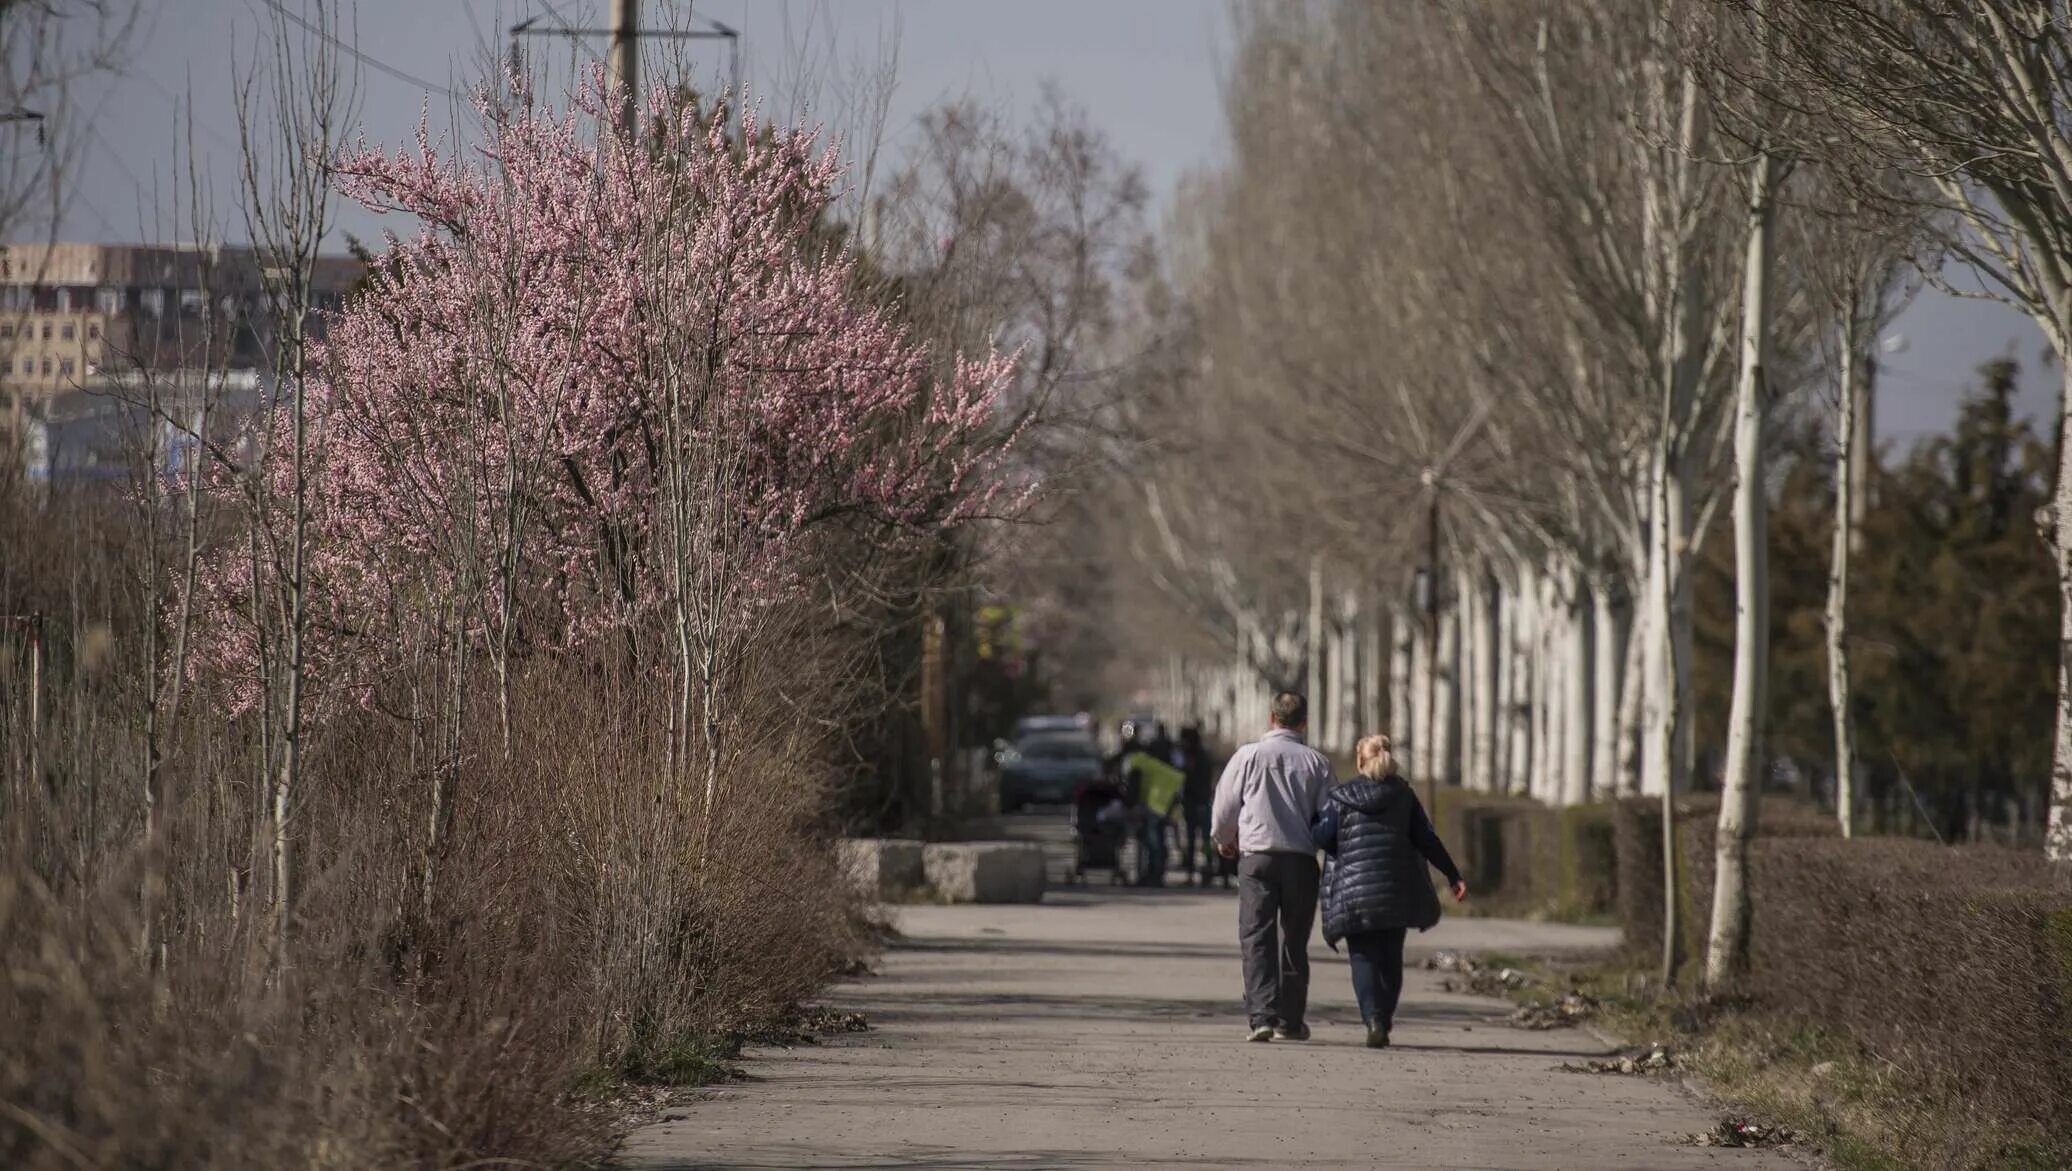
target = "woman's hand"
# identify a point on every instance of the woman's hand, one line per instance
(1460, 892)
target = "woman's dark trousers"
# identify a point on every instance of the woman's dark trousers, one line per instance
(1377, 959)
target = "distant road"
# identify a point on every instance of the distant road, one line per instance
(1102, 1029)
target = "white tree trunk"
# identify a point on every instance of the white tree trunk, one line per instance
(1373, 668)
(1501, 666)
(1575, 701)
(1727, 946)
(1632, 702)
(1682, 761)
(1237, 708)
(1314, 641)
(1478, 670)
(1656, 666)
(1420, 690)
(1842, 544)
(1553, 710)
(2057, 840)
(1402, 672)
(1608, 664)
(1541, 782)
(1665, 742)
(1658, 741)
(1464, 682)
(1446, 722)
(1347, 669)
(1326, 707)
(1518, 720)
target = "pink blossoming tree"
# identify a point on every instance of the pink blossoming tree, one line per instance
(606, 386)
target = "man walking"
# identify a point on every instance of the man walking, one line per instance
(1265, 802)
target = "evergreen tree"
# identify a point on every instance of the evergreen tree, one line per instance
(1956, 617)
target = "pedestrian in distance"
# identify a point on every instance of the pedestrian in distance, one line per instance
(1265, 806)
(1377, 841)
(1197, 794)
(1156, 785)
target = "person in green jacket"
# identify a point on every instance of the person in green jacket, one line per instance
(1157, 785)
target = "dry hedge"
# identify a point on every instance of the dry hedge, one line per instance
(1952, 966)
(1521, 857)
(1637, 858)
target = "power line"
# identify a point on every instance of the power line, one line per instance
(370, 61)
(564, 23)
(107, 225)
(177, 100)
(115, 155)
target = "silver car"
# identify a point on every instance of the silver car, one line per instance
(1047, 768)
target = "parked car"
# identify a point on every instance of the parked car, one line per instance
(1047, 767)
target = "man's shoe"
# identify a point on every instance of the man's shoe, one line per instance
(1377, 1038)
(1291, 1033)
(1260, 1033)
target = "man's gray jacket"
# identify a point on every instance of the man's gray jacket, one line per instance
(1269, 794)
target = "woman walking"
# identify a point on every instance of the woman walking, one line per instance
(1379, 839)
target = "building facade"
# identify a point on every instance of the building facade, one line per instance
(73, 316)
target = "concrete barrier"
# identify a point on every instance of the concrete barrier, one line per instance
(985, 872)
(883, 867)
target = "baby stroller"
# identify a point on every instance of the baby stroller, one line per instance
(1100, 824)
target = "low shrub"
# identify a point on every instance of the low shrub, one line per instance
(1948, 968)
(1953, 965)
(1522, 857)
(1637, 851)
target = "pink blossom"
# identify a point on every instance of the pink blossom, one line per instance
(573, 320)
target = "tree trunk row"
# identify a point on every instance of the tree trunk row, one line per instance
(1527, 682)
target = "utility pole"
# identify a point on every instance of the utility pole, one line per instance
(622, 57)
(622, 65)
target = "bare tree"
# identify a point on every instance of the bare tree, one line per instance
(293, 100)
(178, 425)
(1861, 284)
(1727, 946)
(1971, 99)
(50, 53)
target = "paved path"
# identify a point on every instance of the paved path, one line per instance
(1101, 1029)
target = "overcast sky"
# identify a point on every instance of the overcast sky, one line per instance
(1145, 69)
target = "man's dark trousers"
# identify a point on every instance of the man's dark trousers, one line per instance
(1276, 908)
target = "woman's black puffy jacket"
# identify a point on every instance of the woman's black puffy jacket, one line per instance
(1379, 840)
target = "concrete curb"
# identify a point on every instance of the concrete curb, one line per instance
(985, 872)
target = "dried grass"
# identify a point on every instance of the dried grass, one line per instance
(575, 938)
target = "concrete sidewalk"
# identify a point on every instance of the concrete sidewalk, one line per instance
(1102, 1029)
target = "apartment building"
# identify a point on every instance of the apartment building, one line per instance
(73, 315)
